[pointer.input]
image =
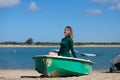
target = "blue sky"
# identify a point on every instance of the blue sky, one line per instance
(45, 20)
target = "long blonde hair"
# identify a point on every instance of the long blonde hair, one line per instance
(71, 31)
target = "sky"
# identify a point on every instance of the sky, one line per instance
(45, 20)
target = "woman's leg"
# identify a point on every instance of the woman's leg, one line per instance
(52, 54)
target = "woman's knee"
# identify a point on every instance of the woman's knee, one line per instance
(52, 54)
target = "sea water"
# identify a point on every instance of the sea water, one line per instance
(21, 57)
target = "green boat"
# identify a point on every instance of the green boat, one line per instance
(62, 66)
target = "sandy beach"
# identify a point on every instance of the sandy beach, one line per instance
(34, 75)
(59, 46)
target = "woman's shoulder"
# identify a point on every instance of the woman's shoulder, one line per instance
(69, 38)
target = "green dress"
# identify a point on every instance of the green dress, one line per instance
(66, 46)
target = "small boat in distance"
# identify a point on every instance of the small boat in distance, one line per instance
(54, 66)
(88, 54)
(14, 51)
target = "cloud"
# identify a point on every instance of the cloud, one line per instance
(8, 3)
(33, 7)
(117, 7)
(117, 1)
(114, 4)
(101, 1)
(107, 1)
(93, 11)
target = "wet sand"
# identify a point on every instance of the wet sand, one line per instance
(34, 75)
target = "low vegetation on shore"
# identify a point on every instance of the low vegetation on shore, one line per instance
(30, 42)
(57, 44)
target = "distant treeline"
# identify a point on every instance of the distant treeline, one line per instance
(35, 43)
(97, 43)
(57, 44)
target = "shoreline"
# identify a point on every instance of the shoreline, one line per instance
(59, 46)
(34, 75)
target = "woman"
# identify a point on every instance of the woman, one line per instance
(66, 44)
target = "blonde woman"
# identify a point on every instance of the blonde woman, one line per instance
(66, 44)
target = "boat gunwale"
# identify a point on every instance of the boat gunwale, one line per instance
(61, 57)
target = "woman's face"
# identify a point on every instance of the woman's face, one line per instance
(67, 31)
